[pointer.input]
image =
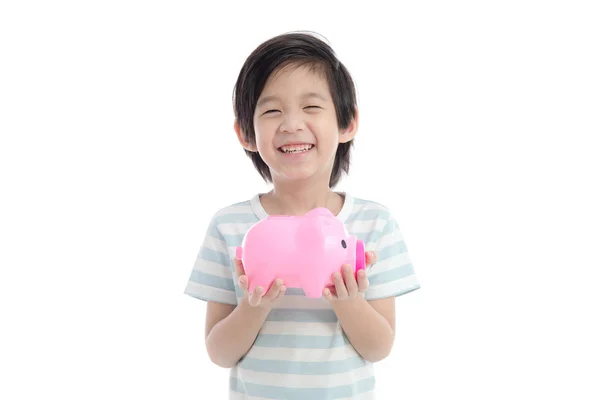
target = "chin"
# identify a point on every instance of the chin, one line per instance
(299, 176)
(295, 177)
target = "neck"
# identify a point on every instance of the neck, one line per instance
(298, 198)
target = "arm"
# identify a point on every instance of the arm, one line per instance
(369, 325)
(231, 331)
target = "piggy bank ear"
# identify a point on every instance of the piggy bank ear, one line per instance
(319, 212)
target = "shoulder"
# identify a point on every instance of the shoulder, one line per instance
(367, 209)
(238, 212)
(234, 208)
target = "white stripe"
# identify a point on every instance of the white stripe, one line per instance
(391, 288)
(389, 239)
(241, 396)
(395, 261)
(243, 208)
(367, 226)
(310, 355)
(303, 302)
(235, 228)
(215, 244)
(369, 205)
(300, 328)
(210, 293)
(212, 268)
(371, 246)
(304, 381)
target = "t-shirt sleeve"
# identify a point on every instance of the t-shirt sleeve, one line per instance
(392, 274)
(212, 275)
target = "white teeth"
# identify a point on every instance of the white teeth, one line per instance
(296, 149)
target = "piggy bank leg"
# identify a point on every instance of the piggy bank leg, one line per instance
(313, 289)
(313, 292)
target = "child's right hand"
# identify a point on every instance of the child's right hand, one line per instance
(255, 299)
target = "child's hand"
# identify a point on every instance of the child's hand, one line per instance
(255, 299)
(346, 286)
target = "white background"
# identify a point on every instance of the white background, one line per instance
(479, 128)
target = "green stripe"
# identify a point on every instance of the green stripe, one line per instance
(212, 280)
(301, 341)
(302, 315)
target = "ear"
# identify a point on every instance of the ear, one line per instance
(349, 133)
(242, 137)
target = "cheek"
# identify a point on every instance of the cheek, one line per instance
(264, 133)
(328, 137)
(325, 130)
(266, 124)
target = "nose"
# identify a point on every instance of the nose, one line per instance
(291, 122)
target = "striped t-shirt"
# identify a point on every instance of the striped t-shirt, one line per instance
(301, 351)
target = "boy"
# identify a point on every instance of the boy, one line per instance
(296, 117)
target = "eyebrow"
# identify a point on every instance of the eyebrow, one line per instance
(304, 96)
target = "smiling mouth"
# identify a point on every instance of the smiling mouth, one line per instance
(296, 148)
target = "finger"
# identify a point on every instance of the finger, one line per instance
(273, 290)
(363, 281)
(255, 297)
(333, 291)
(243, 282)
(281, 293)
(340, 287)
(327, 294)
(371, 258)
(350, 281)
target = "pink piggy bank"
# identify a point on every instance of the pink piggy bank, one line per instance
(304, 251)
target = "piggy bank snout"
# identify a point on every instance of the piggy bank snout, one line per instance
(355, 251)
(360, 255)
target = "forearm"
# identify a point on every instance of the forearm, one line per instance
(233, 336)
(368, 331)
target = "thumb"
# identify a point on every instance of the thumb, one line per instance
(239, 267)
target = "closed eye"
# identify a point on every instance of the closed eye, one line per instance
(273, 111)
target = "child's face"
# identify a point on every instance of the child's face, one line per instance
(296, 108)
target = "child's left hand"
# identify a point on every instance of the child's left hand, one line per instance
(346, 286)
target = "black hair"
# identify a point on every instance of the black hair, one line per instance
(298, 49)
